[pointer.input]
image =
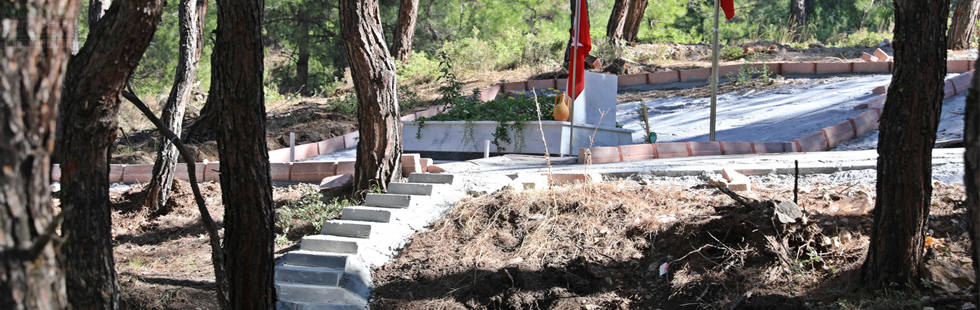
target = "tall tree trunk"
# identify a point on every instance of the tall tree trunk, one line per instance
(617, 21)
(246, 189)
(303, 59)
(97, 9)
(907, 134)
(797, 11)
(30, 88)
(405, 29)
(964, 25)
(380, 147)
(971, 177)
(634, 18)
(191, 22)
(90, 103)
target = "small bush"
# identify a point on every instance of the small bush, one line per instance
(305, 216)
(419, 68)
(861, 38)
(731, 52)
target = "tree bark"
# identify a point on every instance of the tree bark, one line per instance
(30, 88)
(964, 25)
(971, 177)
(907, 134)
(634, 18)
(94, 80)
(97, 9)
(303, 47)
(246, 189)
(405, 29)
(380, 147)
(191, 22)
(617, 21)
(797, 11)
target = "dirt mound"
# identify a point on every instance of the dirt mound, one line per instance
(604, 246)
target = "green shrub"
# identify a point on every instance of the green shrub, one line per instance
(419, 68)
(731, 52)
(861, 38)
(306, 215)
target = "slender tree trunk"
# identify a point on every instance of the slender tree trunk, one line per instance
(380, 147)
(971, 178)
(191, 22)
(97, 9)
(634, 18)
(246, 189)
(405, 29)
(797, 11)
(961, 31)
(94, 80)
(303, 59)
(617, 21)
(30, 88)
(908, 132)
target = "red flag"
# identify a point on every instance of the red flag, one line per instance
(581, 46)
(729, 7)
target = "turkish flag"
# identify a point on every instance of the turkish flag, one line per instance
(581, 46)
(729, 7)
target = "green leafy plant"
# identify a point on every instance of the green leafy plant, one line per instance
(306, 215)
(753, 74)
(731, 52)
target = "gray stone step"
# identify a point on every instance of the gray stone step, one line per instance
(345, 228)
(308, 275)
(301, 305)
(369, 214)
(317, 293)
(388, 200)
(410, 188)
(438, 178)
(316, 259)
(331, 244)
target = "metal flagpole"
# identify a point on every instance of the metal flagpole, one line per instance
(714, 77)
(576, 28)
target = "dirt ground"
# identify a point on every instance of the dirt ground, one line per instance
(602, 247)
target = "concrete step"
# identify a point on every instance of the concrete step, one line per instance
(331, 244)
(317, 293)
(410, 188)
(302, 305)
(316, 259)
(308, 275)
(345, 228)
(437, 178)
(388, 200)
(368, 214)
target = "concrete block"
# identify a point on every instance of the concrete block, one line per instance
(512, 87)
(871, 67)
(410, 188)
(116, 173)
(948, 90)
(868, 57)
(560, 178)
(813, 142)
(838, 133)
(311, 171)
(316, 293)
(300, 305)
(833, 68)
(181, 172)
(664, 77)
(871, 103)
(410, 164)
(424, 164)
(865, 122)
(345, 167)
(540, 84)
(306, 150)
(490, 93)
(731, 175)
(736, 181)
(367, 214)
(598, 155)
(700, 74)
(350, 140)
(638, 151)
(308, 275)
(705, 148)
(388, 200)
(799, 68)
(961, 83)
(880, 54)
(137, 173)
(409, 117)
(344, 228)
(728, 147)
(336, 185)
(279, 156)
(632, 79)
(436, 178)
(881, 90)
(330, 244)
(212, 172)
(726, 71)
(673, 149)
(279, 171)
(768, 147)
(316, 259)
(957, 66)
(55, 173)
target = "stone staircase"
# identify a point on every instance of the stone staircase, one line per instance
(332, 270)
